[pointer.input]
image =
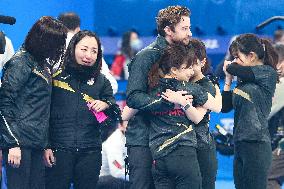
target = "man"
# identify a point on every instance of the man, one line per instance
(173, 25)
(72, 21)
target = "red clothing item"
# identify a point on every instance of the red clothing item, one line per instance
(117, 65)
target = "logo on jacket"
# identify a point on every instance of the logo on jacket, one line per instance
(91, 81)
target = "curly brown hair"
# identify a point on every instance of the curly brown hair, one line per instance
(170, 16)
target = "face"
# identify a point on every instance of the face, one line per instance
(86, 51)
(182, 31)
(184, 73)
(242, 59)
(133, 36)
(197, 67)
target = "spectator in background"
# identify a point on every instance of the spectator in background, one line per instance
(113, 156)
(25, 103)
(130, 45)
(278, 36)
(72, 21)
(276, 126)
(7, 47)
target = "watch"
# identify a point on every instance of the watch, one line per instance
(186, 106)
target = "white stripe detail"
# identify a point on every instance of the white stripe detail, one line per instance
(8, 127)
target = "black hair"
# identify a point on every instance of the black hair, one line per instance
(46, 39)
(70, 63)
(70, 19)
(175, 55)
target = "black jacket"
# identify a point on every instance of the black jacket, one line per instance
(72, 125)
(251, 100)
(137, 133)
(24, 102)
(170, 129)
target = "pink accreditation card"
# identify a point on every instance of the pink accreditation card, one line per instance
(101, 116)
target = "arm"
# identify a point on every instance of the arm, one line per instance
(227, 104)
(214, 104)
(192, 113)
(16, 75)
(128, 113)
(245, 73)
(136, 94)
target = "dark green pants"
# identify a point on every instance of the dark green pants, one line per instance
(251, 164)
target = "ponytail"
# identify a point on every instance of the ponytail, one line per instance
(270, 55)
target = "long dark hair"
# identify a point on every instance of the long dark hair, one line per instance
(46, 39)
(125, 45)
(70, 63)
(173, 56)
(264, 50)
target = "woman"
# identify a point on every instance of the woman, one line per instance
(206, 149)
(25, 103)
(255, 66)
(172, 137)
(130, 45)
(74, 153)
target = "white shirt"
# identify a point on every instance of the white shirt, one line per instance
(113, 155)
(9, 52)
(278, 99)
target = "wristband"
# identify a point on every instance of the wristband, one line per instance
(184, 108)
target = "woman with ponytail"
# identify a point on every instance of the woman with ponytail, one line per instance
(255, 67)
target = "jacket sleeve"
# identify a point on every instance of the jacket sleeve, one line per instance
(16, 74)
(136, 94)
(227, 104)
(245, 73)
(106, 95)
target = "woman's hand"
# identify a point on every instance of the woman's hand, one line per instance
(14, 157)
(48, 157)
(226, 64)
(98, 105)
(177, 97)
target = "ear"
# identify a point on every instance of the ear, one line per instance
(173, 71)
(252, 56)
(168, 31)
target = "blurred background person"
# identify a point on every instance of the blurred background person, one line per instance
(6, 50)
(276, 126)
(130, 45)
(114, 153)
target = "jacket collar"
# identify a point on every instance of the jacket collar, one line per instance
(161, 42)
